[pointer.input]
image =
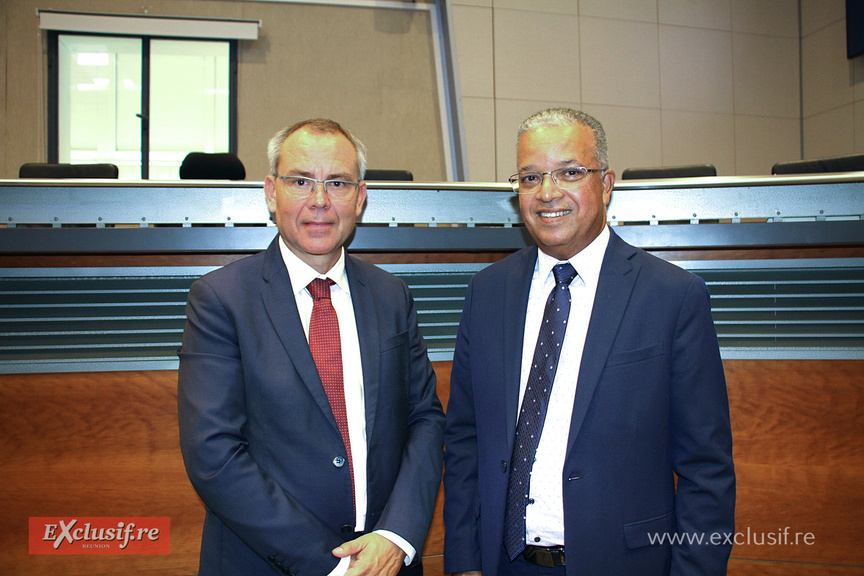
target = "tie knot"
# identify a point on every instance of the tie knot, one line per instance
(564, 273)
(320, 288)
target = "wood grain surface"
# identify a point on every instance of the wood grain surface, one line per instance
(106, 444)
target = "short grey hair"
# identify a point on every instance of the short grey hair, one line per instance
(322, 125)
(566, 117)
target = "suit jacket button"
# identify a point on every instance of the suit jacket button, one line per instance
(347, 528)
(338, 461)
(503, 466)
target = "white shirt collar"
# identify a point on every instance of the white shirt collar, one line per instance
(302, 274)
(587, 262)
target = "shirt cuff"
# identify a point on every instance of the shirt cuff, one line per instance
(401, 543)
(341, 567)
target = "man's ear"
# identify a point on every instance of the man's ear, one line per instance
(270, 193)
(608, 185)
(361, 198)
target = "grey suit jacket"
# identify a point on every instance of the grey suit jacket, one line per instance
(259, 440)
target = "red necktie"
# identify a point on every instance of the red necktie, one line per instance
(326, 349)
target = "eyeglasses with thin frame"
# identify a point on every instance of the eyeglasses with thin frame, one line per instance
(303, 186)
(565, 178)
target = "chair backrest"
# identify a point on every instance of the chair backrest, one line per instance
(215, 166)
(50, 171)
(850, 163)
(403, 175)
(687, 171)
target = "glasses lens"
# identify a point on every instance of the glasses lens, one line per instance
(569, 177)
(340, 188)
(298, 186)
(566, 178)
(526, 182)
(303, 187)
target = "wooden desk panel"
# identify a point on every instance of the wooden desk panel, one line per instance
(94, 444)
(798, 437)
(105, 444)
(750, 568)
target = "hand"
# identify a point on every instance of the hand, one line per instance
(371, 555)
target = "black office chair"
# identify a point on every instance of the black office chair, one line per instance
(215, 166)
(52, 171)
(850, 163)
(688, 171)
(402, 175)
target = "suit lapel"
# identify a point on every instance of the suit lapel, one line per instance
(617, 277)
(278, 297)
(517, 285)
(366, 318)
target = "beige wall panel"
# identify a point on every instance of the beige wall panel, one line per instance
(620, 73)
(826, 71)
(859, 126)
(24, 140)
(472, 27)
(695, 69)
(485, 3)
(699, 137)
(830, 133)
(4, 33)
(536, 56)
(766, 79)
(634, 10)
(371, 69)
(712, 14)
(546, 6)
(769, 17)
(816, 14)
(857, 65)
(574, 58)
(646, 60)
(762, 142)
(634, 135)
(479, 115)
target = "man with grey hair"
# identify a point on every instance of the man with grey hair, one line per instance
(588, 423)
(309, 420)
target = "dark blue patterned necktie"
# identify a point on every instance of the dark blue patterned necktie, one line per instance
(533, 412)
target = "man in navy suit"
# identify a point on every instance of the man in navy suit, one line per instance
(295, 480)
(603, 451)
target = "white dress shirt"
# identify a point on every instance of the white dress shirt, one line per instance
(301, 274)
(545, 516)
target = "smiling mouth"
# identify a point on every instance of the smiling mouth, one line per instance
(554, 214)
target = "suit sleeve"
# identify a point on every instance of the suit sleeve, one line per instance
(462, 497)
(702, 440)
(212, 418)
(411, 502)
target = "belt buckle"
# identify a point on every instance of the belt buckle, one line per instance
(548, 557)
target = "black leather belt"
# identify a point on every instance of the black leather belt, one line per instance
(546, 556)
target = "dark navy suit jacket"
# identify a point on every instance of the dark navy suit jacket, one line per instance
(651, 400)
(260, 442)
